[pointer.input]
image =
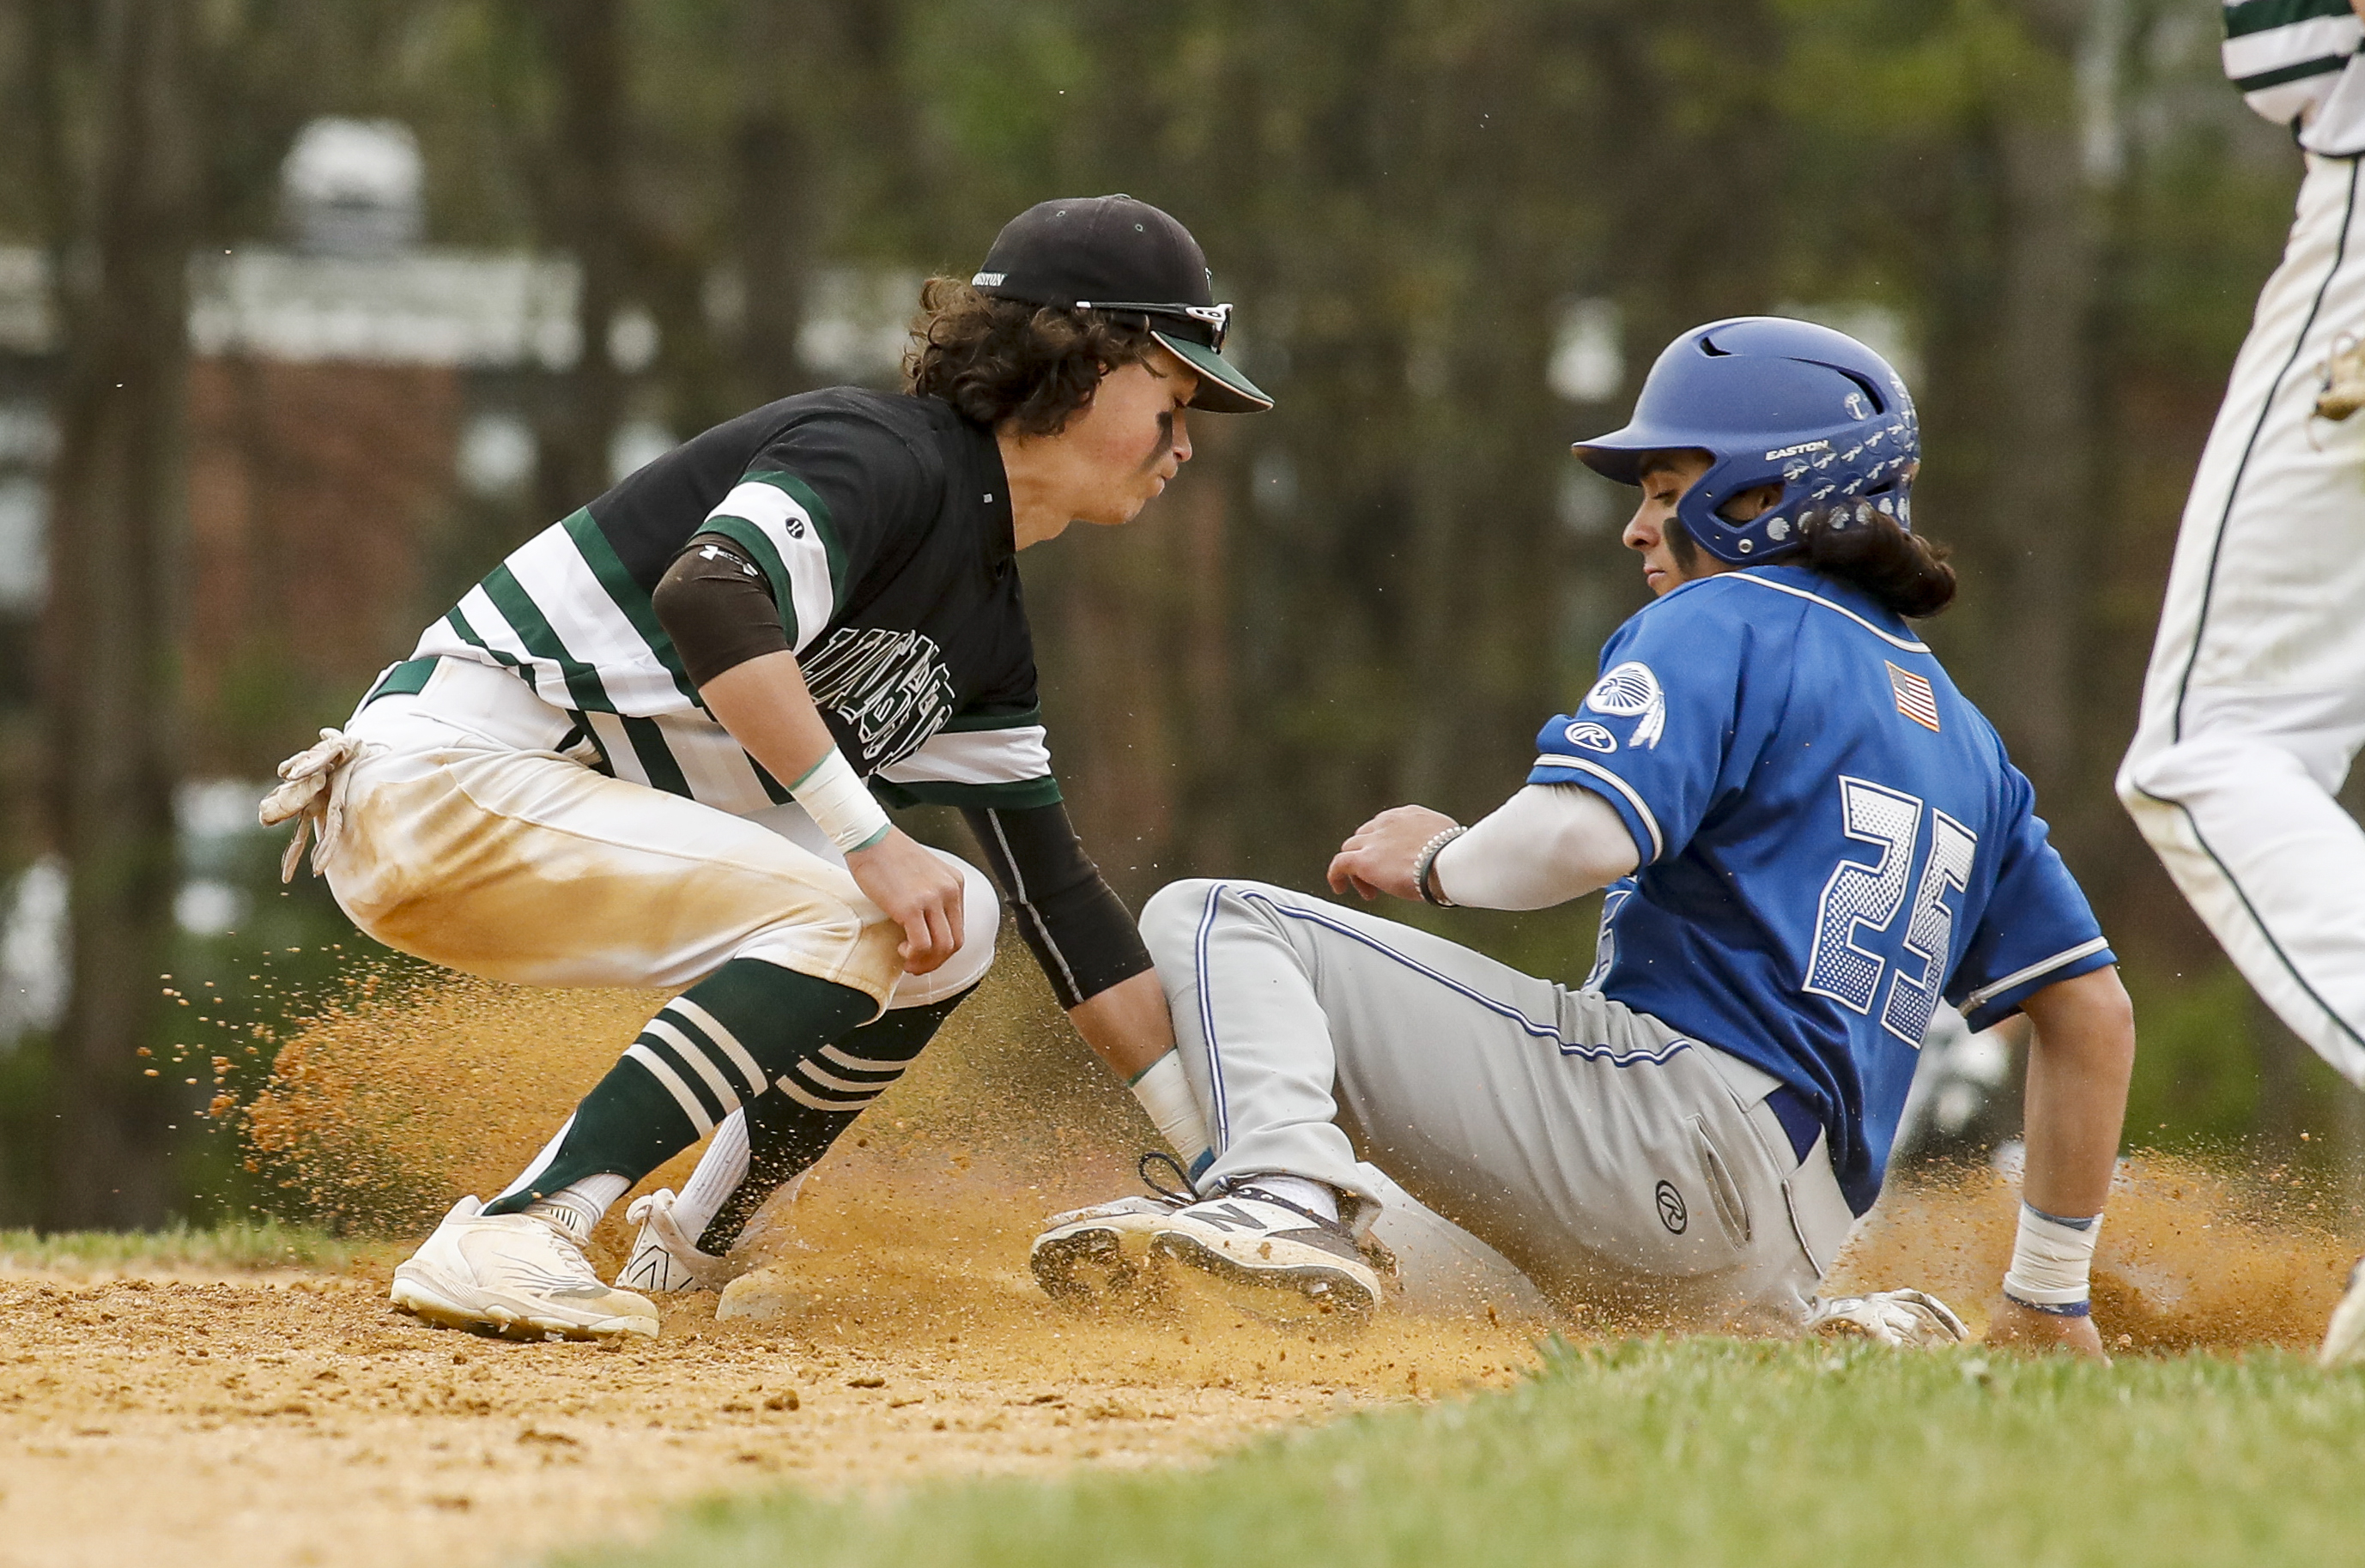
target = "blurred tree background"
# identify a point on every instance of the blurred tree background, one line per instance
(311, 312)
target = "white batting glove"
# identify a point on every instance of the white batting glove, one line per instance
(1902, 1319)
(313, 797)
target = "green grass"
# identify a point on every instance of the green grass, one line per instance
(1677, 1455)
(238, 1245)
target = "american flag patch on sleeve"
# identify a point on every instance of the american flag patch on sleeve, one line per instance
(1915, 698)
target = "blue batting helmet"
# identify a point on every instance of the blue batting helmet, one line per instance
(1772, 401)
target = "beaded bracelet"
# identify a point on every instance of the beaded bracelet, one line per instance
(1424, 863)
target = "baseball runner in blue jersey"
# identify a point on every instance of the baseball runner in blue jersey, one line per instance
(1809, 836)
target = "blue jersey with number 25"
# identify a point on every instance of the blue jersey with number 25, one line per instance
(1832, 838)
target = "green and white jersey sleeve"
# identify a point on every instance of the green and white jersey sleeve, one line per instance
(778, 519)
(2294, 62)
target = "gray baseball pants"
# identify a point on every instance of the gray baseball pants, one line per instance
(1615, 1162)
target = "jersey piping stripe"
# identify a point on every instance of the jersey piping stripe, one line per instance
(671, 1083)
(1987, 994)
(1626, 790)
(1207, 1018)
(633, 605)
(1908, 643)
(2242, 468)
(688, 1050)
(1493, 1004)
(707, 1025)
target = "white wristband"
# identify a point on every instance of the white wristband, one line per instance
(1166, 1094)
(2051, 1258)
(840, 804)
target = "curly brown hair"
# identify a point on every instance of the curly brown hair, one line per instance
(1037, 365)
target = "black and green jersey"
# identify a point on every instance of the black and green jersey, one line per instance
(883, 525)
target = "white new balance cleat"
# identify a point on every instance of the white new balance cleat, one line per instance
(666, 1259)
(1902, 1319)
(1269, 1258)
(2343, 1341)
(1099, 1256)
(517, 1276)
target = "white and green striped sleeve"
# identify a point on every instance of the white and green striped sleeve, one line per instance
(2286, 55)
(778, 519)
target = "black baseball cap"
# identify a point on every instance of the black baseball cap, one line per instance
(1124, 257)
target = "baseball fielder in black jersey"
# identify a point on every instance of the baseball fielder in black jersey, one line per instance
(650, 749)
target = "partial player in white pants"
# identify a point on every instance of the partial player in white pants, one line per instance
(2254, 705)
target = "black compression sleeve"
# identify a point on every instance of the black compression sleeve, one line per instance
(717, 606)
(1080, 930)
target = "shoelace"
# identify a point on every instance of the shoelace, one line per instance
(1182, 1198)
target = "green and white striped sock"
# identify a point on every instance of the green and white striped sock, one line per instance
(722, 1042)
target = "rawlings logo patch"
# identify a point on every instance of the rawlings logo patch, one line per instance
(1591, 736)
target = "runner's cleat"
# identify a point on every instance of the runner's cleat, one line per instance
(517, 1276)
(665, 1259)
(2344, 1340)
(1100, 1254)
(1271, 1259)
(1902, 1319)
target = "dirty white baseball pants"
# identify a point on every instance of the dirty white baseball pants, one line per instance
(468, 841)
(1614, 1161)
(2254, 705)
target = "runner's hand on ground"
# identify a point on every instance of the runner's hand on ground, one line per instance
(2011, 1326)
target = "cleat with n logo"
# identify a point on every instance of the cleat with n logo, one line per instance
(1266, 1257)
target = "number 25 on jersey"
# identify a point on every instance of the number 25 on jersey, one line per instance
(1861, 902)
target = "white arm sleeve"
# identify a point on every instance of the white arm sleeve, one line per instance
(1546, 844)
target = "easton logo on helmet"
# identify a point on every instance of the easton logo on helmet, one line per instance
(1782, 451)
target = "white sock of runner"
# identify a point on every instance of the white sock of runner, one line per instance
(1307, 1195)
(577, 1206)
(720, 1170)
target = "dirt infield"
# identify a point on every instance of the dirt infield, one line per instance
(292, 1418)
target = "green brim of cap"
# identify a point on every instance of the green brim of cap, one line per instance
(1222, 388)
